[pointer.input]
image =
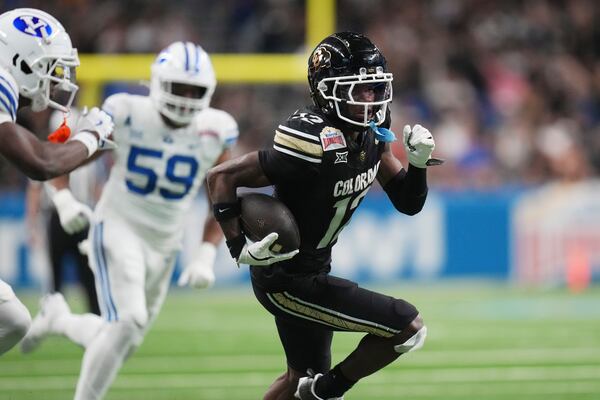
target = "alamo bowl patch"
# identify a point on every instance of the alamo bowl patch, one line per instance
(332, 139)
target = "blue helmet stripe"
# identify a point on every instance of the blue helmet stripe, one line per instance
(198, 54)
(187, 57)
(193, 63)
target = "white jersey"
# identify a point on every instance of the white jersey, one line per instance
(9, 97)
(158, 170)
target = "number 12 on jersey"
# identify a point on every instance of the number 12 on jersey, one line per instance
(341, 208)
(185, 180)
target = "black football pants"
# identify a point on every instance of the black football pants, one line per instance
(309, 308)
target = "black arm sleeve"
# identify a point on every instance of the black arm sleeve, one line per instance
(408, 190)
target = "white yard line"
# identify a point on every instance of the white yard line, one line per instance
(516, 376)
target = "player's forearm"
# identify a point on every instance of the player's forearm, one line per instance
(212, 230)
(222, 189)
(226, 208)
(408, 190)
(222, 182)
(54, 160)
(224, 179)
(39, 160)
(50, 160)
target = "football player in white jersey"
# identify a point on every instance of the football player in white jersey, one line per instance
(37, 66)
(166, 143)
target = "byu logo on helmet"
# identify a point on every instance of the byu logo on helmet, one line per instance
(33, 26)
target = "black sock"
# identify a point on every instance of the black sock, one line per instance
(333, 384)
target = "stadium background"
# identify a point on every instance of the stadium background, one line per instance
(504, 259)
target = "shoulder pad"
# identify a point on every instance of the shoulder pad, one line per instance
(120, 106)
(300, 136)
(306, 122)
(316, 128)
(220, 122)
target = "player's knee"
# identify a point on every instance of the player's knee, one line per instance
(412, 337)
(14, 324)
(138, 316)
(19, 319)
(22, 323)
(128, 334)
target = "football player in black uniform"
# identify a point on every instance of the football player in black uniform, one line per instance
(324, 160)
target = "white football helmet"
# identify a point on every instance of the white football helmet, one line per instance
(180, 67)
(37, 51)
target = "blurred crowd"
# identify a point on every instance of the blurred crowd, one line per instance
(510, 89)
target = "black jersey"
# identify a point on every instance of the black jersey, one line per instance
(322, 175)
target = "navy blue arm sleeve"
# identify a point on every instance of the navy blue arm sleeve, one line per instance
(408, 190)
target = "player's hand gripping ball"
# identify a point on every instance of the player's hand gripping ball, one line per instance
(270, 229)
(262, 214)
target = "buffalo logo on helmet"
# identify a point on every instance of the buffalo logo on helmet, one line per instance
(321, 58)
(362, 156)
(33, 26)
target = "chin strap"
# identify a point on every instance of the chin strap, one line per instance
(382, 134)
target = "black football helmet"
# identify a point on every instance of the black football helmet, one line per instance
(340, 65)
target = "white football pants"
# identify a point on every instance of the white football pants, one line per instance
(14, 318)
(132, 280)
(132, 276)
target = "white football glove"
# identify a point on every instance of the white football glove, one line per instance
(74, 216)
(418, 144)
(258, 253)
(199, 273)
(84, 247)
(93, 129)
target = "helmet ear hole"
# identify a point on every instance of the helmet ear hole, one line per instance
(322, 86)
(25, 68)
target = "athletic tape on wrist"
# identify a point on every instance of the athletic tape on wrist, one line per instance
(236, 245)
(89, 140)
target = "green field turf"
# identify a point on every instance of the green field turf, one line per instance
(485, 342)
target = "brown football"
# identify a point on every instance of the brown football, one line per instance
(263, 214)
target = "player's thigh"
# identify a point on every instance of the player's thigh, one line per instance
(158, 279)
(306, 341)
(305, 346)
(13, 313)
(340, 304)
(117, 259)
(14, 318)
(6, 292)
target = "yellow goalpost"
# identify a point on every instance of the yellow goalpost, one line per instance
(97, 69)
